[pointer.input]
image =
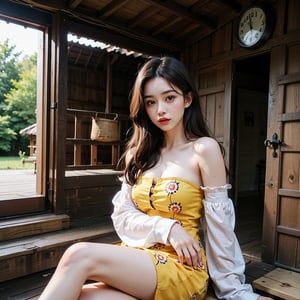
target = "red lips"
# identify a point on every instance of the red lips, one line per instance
(163, 121)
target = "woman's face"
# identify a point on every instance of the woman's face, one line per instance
(165, 104)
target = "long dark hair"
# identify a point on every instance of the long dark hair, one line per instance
(147, 139)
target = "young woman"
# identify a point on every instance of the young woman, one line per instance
(174, 178)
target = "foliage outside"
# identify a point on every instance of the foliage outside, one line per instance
(14, 163)
(18, 80)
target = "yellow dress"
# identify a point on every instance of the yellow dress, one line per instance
(178, 199)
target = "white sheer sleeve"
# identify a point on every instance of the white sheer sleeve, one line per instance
(134, 227)
(224, 256)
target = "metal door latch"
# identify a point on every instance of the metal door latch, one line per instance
(273, 143)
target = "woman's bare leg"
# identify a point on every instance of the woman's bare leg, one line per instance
(123, 268)
(96, 291)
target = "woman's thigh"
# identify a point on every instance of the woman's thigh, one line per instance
(127, 269)
(96, 291)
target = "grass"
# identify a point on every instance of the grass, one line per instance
(14, 163)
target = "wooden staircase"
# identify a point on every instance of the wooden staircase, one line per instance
(37, 243)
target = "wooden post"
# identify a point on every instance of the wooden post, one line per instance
(77, 135)
(94, 153)
(108, 85)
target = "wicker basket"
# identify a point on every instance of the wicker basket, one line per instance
(105, 130)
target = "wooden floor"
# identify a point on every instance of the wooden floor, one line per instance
(15, 184)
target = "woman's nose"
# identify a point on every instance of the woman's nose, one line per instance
(161, 108)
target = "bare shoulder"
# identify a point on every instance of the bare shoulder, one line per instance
(210, 161)
(206, 146)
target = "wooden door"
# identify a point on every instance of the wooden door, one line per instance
(281, 229)
(214, 87)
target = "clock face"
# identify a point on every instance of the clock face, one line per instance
(252, 27)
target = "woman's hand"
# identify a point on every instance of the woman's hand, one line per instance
(186, 247)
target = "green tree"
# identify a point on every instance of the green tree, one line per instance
(21, 100)
(7, 135)
(9, 70)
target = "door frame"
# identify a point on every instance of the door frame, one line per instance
(41, 21)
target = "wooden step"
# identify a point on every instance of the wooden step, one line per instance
(33, 225)
(28, 255)
(281, 283)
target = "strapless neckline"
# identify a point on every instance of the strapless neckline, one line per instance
(157, 180)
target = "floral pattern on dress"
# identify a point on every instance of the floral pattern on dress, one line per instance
(161, 258)
(172, 187)
(175, 208)
(194, 296)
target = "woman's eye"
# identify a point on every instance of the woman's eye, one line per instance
(150, 102)
(170, 98)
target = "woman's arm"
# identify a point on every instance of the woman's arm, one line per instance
(133, 226)
(224, 257)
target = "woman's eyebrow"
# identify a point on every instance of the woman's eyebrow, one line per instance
(165, 92)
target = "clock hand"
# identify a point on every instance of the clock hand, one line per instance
(250, 22)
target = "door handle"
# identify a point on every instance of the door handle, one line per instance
(273, 143)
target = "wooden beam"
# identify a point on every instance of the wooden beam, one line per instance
(125, 37)
(111, 8)
(166, 24)
(143, 16)
(48, 4)
(74, 3)
(183, 12)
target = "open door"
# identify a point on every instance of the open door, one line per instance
(281, 227)
(251, 82)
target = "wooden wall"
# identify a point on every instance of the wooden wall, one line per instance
(101, 82)
(212, 61)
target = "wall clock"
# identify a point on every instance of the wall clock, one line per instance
(255, 26)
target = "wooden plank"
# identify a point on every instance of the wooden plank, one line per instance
(73, 141)
(77, 134)
(288, 230)
(49, 240)
(94, 152)
(211, 90)
(29, 255)
(289, 193)
(289, 78)
(28, 226)
(281, 283)
(287, 117)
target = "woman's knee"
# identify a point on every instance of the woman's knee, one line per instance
(78, 254)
